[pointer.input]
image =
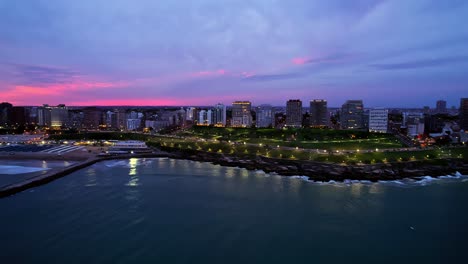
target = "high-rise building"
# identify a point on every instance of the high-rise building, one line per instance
(318, 113)
(441, 107)
(219, 115)
(91, 117)
(203, 118)
(31, 115)
(264, 116)
(190, 114)
(352, 114)
(109, 118)
(294, 113)
(241, 115)
(5, 112)
(44, 115)
(18, 115)
(75, 118)
(133, 124)
(378, 120)
(119, 119)
(134, 120)
(414, 122)
(52, 116)
(58, 115)
(464, 114)
(209, 117)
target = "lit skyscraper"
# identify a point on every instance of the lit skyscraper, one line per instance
(58, 115)
(219, 115)
(241, 115)
(264, 116)
(352, 114)
(43, 115)
(378, 120)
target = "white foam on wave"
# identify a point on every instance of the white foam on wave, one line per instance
(426, 180)
(449, 177)
(116, 163)
(11, 169)
(398, 182)
(304, 178)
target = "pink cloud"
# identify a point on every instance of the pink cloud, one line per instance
(300, 60)
(215, 73)
(326, 58)
(43, 93)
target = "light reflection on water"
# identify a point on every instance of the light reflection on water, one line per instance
(356, 189)
(230, 172)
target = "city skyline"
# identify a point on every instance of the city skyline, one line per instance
(81, 53)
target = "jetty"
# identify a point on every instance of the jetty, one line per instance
(45, 178)
(54, 174)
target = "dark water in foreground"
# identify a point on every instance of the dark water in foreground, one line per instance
(174, 211)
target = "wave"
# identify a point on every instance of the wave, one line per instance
(304, 178)
(404, 183)
(111, 164)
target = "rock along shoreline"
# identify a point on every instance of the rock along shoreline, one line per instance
(321, 171)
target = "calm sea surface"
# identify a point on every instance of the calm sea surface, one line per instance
(176, 211)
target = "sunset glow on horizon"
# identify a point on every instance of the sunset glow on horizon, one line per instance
(85, 53)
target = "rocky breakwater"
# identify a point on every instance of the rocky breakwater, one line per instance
(321, 171)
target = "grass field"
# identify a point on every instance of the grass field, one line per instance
(250, 151)
(303, 138)
(337, 146)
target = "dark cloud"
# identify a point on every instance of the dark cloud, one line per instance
(36, 74)
(421, 63)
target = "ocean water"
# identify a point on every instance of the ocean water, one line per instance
(12, 171)
(177, 211)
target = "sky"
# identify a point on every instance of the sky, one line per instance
(394, 53)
